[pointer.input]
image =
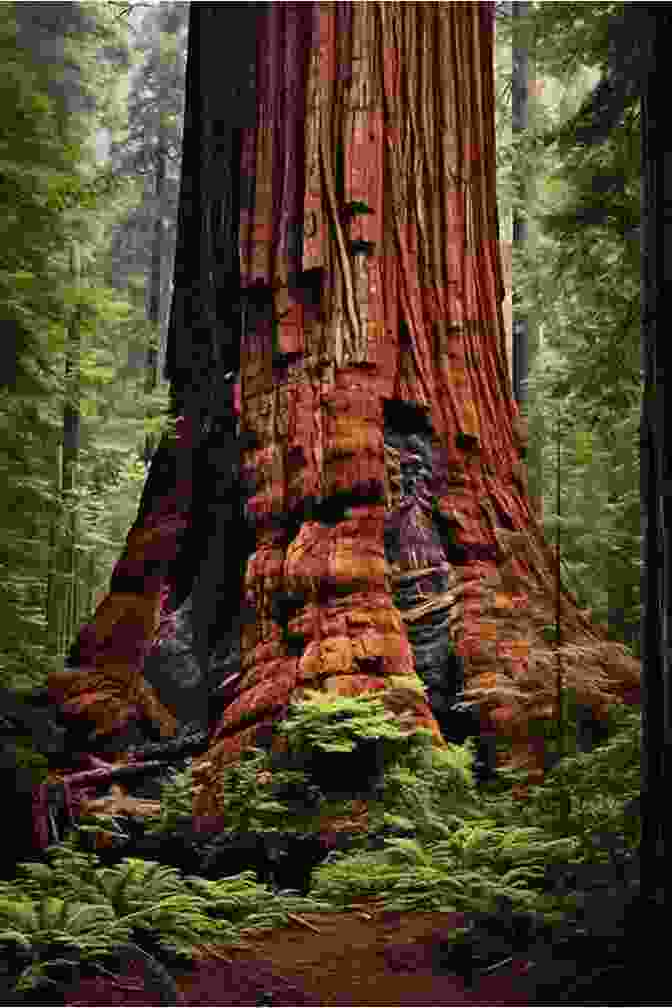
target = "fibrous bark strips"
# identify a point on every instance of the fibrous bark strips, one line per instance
(382, 407)
(394, 544)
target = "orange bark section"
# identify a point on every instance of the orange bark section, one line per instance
(107, 685)
(321, 423)
(379, 148)
(400, 95)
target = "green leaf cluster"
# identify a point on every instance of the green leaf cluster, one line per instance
(577, 279)
(266, 792)
(588, 796)
(433, 841)
(336, 724)
(75, 904)
(176, 802)
(471, 854)
(57, 190)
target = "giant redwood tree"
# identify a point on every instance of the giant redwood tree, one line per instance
(342, 505)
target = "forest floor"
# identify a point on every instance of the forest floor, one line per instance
(359, 957)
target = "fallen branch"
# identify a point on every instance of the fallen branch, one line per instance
(51, 793)
(121, 803)
(109, 772)
(304, 923)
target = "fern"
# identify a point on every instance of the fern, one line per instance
(176, 802)
(335, 724)
(42, 910)
(459, 855)
(290, 798)
(442, 847)
(408, 851)
(588, 794)
(91, 931)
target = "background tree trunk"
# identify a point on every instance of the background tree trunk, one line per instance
(655, 477)
(155, 286)
(71, 440)
(520, 118)
(62, 578)
(525, 341)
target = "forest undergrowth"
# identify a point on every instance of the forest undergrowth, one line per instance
(557, 868)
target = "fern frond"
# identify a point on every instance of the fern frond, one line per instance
(22, 914)
(18, 937)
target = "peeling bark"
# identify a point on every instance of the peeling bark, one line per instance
(392, 546)
(389, 479)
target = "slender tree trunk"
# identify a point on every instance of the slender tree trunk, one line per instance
(656, 480)
(525, 335)
(91, 583)
(155, 286)
(520, 105)
(71, 439)
(54, 591)
(62, 575)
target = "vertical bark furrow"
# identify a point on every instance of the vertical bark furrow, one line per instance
(400, 213)
(394, 547)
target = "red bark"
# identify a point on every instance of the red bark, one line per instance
(396, 122)
(374, 381)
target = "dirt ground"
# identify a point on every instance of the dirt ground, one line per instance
(359, 957)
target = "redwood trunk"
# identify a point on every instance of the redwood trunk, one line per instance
(387, 477)
(394, 547)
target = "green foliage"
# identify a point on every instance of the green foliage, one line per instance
(336, 724)
(176, 802)
(56, 190)
(47, 908)
(445, 840)
(506, 194)
(251, 908)
(433, 841)
(42, 928)
(587, 795)
(477, 864)
(263, 792)
(94, 911)
(429, 787)
(155, 105)
(578, 280)
(247, 803)
(440, 848)
(474, 855)
(473, 849)
(19, 753)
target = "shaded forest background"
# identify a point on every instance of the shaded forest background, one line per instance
(89, 169)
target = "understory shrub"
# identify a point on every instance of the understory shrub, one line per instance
(437, 840)
(73, 911)
(433, 840)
